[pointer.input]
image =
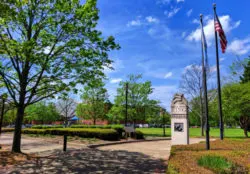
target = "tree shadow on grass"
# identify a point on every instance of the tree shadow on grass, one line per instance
(91, 161)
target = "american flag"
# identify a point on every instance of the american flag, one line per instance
(219, 29)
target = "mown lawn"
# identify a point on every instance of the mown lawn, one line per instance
(194, 132)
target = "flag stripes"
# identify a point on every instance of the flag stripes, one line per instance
(219, 29)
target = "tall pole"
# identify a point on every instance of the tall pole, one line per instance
(163, 120)
(126, 112)
(205, 87)
(218, 82)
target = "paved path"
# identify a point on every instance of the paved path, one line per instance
(37, 145)
(155, 149)
(142, 157)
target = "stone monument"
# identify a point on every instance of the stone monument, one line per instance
(179, 120)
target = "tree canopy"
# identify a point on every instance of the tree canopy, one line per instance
(42, 112)
(138, 98)
(95, 102)
(245, 78)
(47, 47)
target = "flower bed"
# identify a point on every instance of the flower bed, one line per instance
(185, 159)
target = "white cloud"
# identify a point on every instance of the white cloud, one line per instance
(163, 2)
(151, 31)
(180, 1)
(117, 65)
(164, 94)
(198, 67)
(136, 22)
(151, 19)
(169, 74)
(47, 50)
(192, 66)
(115, 80)
(222, 59)
(195, 21)
(171, 13)
(227, 25)
(213, 68)
(239, 47)
(139, 21)
(183, 34)
(189, 12)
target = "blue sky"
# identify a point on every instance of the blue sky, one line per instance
(160, 38)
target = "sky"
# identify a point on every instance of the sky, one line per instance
(161, 38)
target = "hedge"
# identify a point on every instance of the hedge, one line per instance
(46, 127)
(118, 128)
(104, 134)
(8, 129)
(139, 135)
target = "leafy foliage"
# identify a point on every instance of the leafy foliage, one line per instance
(48, 47)
(245, 78)
(105, 134)
(42, 112)
(95, 103)
(138, 100)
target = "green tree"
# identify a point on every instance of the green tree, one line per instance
(138, 97)
(236, 104)
(245, 78)
(42, 112)
(10, 116)
(47, 47)
(237, 69)
(95, 102)
(115, 114)
(66, 107)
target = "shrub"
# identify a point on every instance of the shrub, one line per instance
(8, 129)
(118, 128)
(46, 126)
(139, 135)
(35, 131)
(104, 134)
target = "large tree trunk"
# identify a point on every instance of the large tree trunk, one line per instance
(2, 113)
(94, 121)
(244, 123)
(16, 146)
(245, 132)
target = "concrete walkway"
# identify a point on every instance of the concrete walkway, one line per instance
(155, 149)
(38, 145)
(141, 157)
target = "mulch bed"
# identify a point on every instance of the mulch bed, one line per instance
(9, 158)
(183, 159)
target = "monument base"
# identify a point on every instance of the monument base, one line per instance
(179, 131)
(179, 120)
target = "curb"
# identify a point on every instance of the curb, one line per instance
(126, 142)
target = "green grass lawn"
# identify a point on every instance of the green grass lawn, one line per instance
(194, 132)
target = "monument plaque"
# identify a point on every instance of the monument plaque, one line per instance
(179, 120)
